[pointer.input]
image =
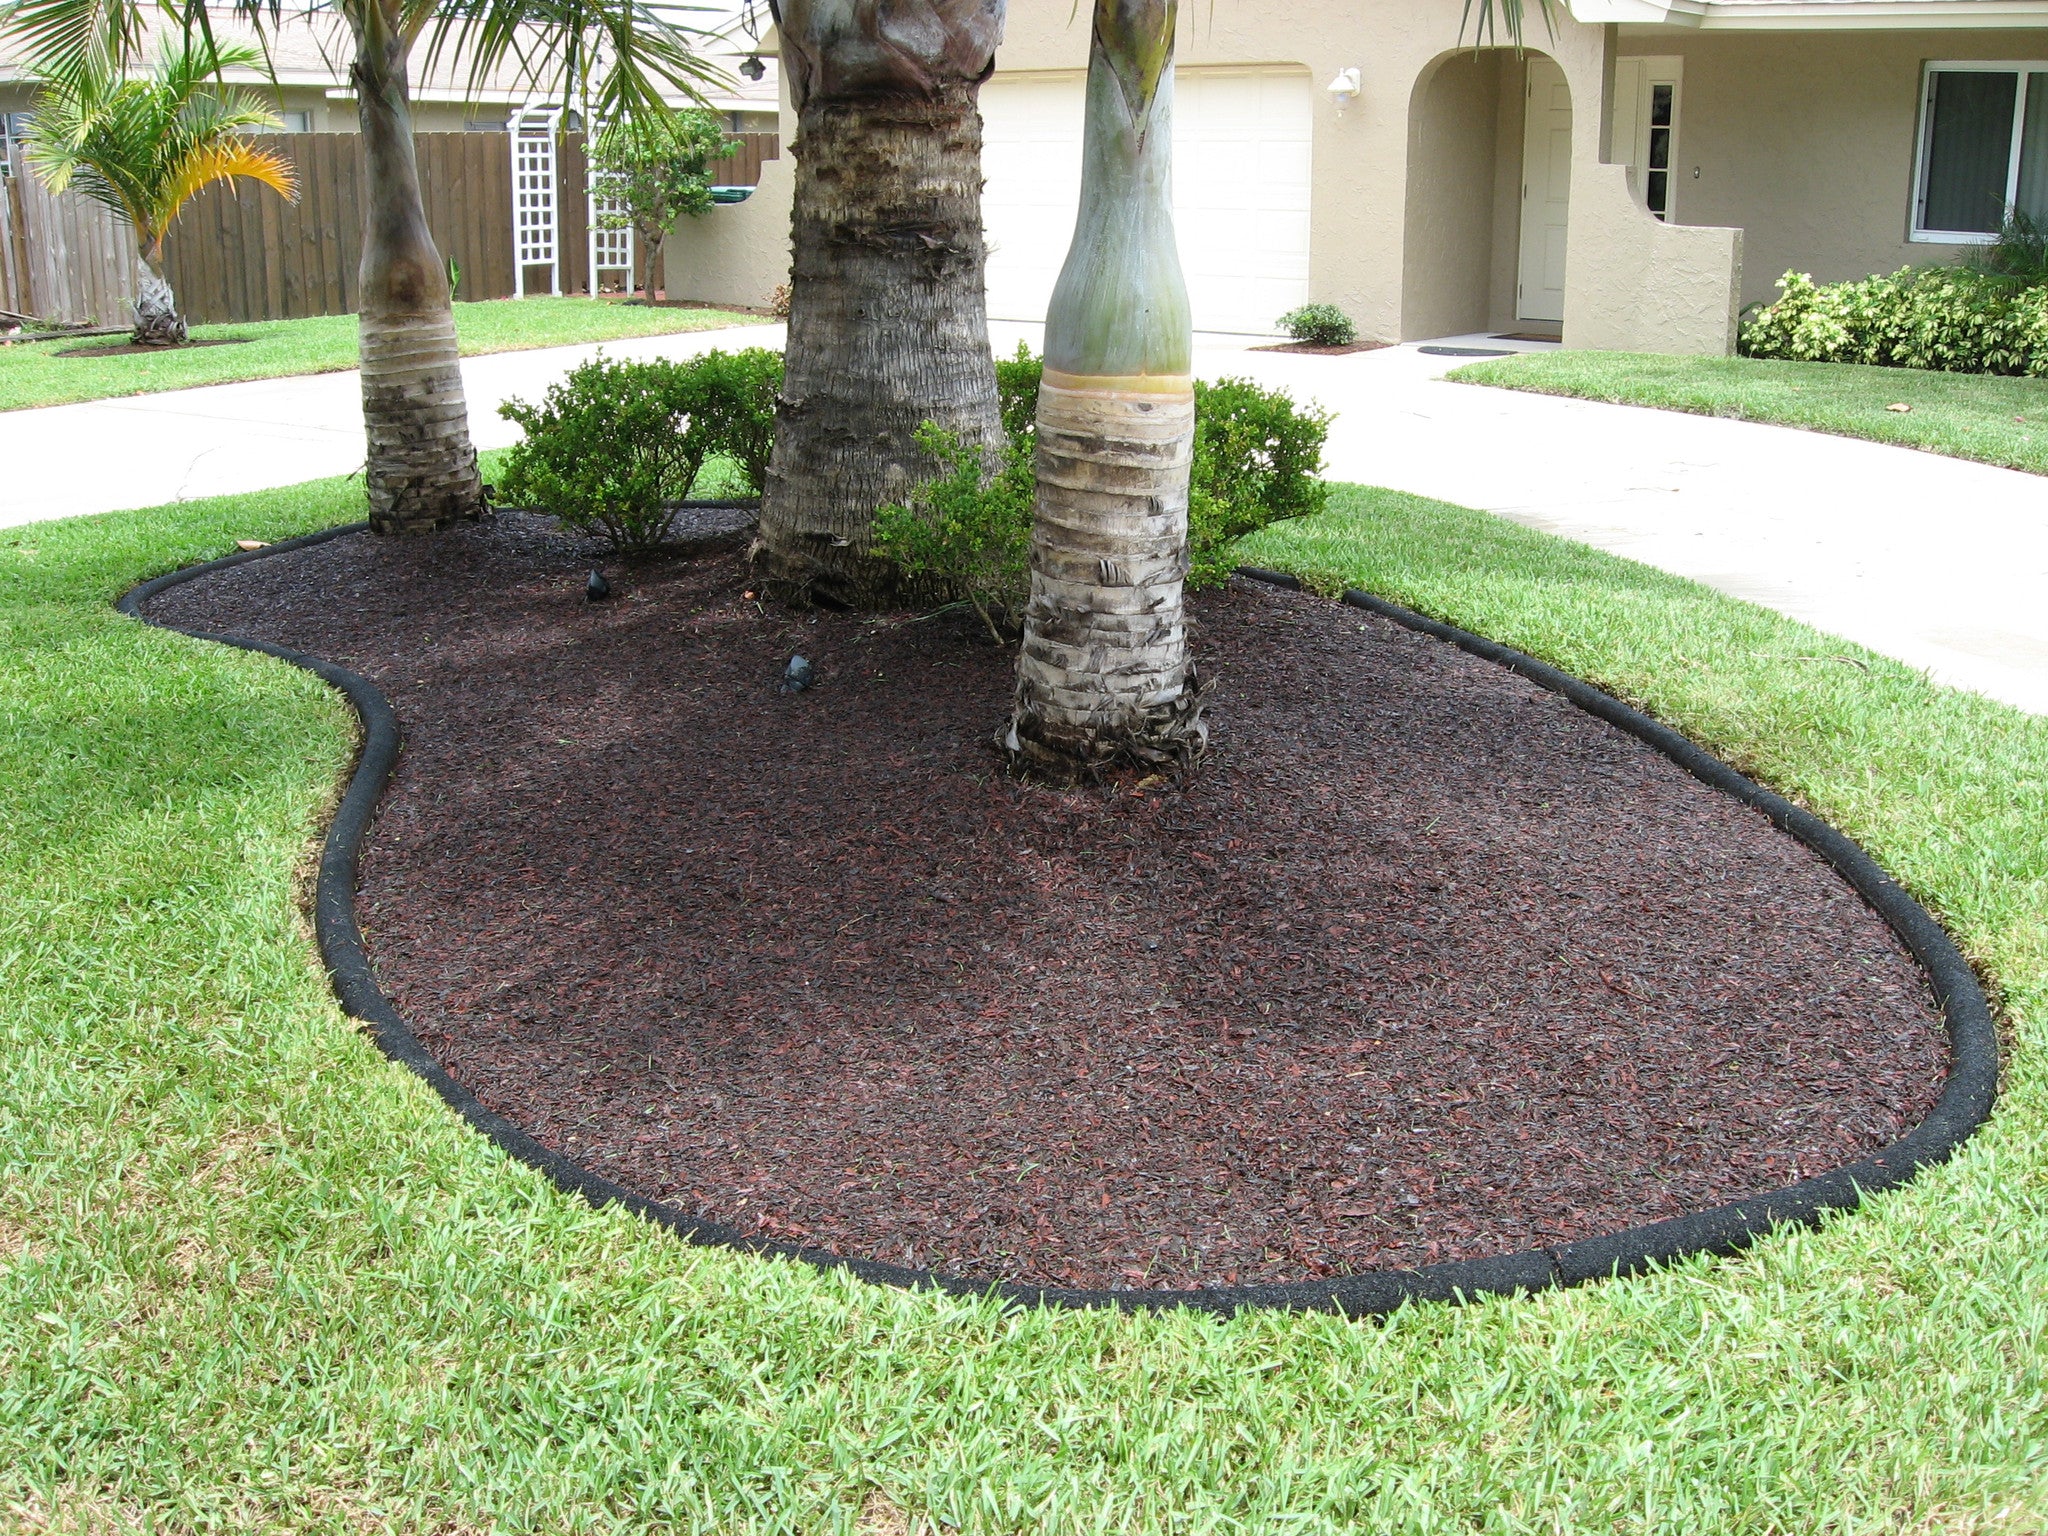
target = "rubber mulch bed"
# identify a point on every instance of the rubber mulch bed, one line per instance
(1425, 964)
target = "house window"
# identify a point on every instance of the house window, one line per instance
(1983, 150)
(13, 138)
(289, 122)
(1646, 126)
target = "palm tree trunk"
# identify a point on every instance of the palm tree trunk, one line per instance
(157, 321)
(421, 472)
(888, 322)
(1104, 676)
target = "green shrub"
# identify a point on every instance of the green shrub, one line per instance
(1320, 325)
(615, 446)
(968, 530)
(610, 449)
(1949, 319)
(1257, 459)
(1017, 381)
(2019, 255)
(739, 390)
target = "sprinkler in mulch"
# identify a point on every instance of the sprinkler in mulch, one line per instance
(597, 589)
(798, 675)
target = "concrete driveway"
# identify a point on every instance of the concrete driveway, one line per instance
(1940, 563)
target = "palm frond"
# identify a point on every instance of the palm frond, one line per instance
(144, 147)
(224, 160)
(1488, 19)
(611, 57)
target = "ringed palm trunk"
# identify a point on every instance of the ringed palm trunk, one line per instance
(888, 320)
(1104, 677)
(422, 471)
(157, 321)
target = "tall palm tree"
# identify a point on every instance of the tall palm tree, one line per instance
(888, 320)
(1104, 675)
(144, 148)
(610, 56)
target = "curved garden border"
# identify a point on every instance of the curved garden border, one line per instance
(1964, 1105)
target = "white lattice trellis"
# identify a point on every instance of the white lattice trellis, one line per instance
(536, 222)
(611, 250)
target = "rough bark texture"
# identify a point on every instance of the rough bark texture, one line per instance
(157, 321)
(888, 322)
(1104, 676)
(421, 473)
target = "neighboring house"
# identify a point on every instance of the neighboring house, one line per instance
(310, 55)
(1631, 181)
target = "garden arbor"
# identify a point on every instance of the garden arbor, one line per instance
(614, 55)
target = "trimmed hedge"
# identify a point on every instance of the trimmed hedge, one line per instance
(1946, 319)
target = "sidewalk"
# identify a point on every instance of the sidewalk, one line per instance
(1938, 562)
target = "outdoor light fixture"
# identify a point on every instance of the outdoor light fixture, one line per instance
(1344, 89)
(753, 68)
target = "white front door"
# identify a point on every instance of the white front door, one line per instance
(1546, 191)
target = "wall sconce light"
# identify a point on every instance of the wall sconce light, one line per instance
(1344, 89)
(753, 68)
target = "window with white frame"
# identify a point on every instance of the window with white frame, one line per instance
(1646, 126)
(1983, 150)
(13, 137)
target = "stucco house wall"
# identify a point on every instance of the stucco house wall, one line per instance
(1806, 140)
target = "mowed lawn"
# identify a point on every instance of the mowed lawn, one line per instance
(1969, 416)
(39, 372)
(253, 1278)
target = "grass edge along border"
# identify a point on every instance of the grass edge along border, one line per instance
(1965, 1102)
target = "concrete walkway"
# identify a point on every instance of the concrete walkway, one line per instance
(1938, 562)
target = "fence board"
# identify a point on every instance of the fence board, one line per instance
(243, 254)
(69, 260)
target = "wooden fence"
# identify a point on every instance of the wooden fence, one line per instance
(243, 253)
(63, 257)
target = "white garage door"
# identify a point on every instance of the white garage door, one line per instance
(1240, 203)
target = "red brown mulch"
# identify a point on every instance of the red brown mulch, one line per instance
(1322, 351)
(1425, 963)
(129, 349)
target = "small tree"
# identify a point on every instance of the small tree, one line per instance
(658, 166)
(144, 148)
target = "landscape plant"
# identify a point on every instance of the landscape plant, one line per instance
(966, 531)
(658, 167)
(888, 312)
(1949, 319)
(610, 57)
(145, 147)
(2019, 255)
(615, 447)
(1319, 325)
(1257, 460)
(1103, 675)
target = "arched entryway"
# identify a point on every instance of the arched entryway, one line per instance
(1488, 197)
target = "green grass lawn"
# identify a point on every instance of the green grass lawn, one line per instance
(1969, 416)
(38, 373)
(252, 1278)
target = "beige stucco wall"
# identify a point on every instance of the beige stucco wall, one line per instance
(1415, 185)
(1360, 175)
(1638, 284)
(1447, 276)
(739, 252)
(1806, 140)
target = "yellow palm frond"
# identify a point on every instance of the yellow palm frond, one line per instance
(223, 160)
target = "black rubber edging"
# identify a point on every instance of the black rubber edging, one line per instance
(1964, 1105)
